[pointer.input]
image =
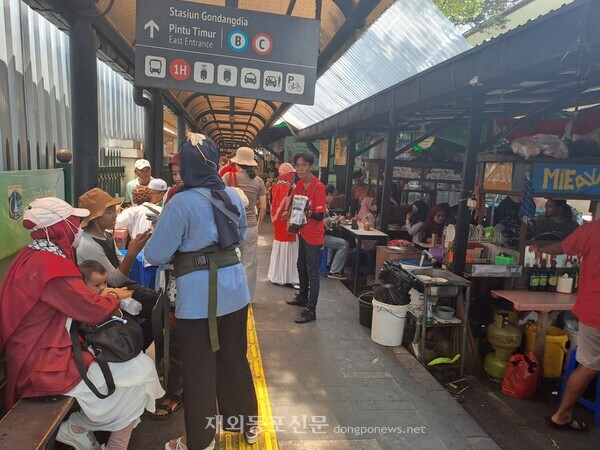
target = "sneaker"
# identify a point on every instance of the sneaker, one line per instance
(336, 276)
(297, 301)
(79, 441)
(252, 435)
(306, 316)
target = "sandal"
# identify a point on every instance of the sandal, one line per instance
(214, 445)
(571, 425)
(171, 408)
(178, 444)
(252, 435)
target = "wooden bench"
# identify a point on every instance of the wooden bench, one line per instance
(33, 422)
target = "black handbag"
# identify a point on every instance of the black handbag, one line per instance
(118, 339)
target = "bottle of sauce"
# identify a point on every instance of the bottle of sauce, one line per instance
(575, 275)
(543, 277)
(534, 278)
(552, 277)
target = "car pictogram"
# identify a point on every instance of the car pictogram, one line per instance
(250, 78)
(271, 81)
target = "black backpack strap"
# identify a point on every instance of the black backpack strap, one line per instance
(110, 382)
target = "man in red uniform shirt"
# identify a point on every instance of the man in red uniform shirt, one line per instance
(311, 237)
(584, 242)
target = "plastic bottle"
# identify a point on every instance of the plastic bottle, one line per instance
(575, 275)
(543, 277)
(552, 277)
(429, 318)
(534, 278)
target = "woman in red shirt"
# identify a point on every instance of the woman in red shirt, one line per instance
(41, 293)
(283, 267)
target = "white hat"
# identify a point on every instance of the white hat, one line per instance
(244, 156)
(141, 163)
(45, 212)
(158, 185)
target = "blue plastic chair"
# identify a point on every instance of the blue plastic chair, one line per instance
(593, 405)
(146, 276)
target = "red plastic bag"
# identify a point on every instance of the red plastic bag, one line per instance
(521, 377)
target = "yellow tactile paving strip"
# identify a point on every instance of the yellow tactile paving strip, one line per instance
(268, 438)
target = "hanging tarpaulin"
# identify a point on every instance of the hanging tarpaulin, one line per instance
(341, 152)
(498, 177)
(324, 153)
(19, 188)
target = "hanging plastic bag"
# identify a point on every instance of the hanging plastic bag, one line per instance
(521, 377)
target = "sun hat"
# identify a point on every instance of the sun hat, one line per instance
(286, 168)
(47, 211)
(141, 163)
(158, 184)
(244, 157)
(96, 201)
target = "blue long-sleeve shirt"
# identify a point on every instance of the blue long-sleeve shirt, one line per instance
(187, 224)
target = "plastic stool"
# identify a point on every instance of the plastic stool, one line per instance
(364, 270)
(323, 264)
(593, 405)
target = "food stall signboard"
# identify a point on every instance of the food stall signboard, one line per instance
(498, 177)
(564, 178)
(406, 172)
(443, 174)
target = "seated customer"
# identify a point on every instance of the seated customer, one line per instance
(139, 218)
(558, 219)
(337, 247)
(434, 225)
(41, 291)
(98, 244)
(415, 218)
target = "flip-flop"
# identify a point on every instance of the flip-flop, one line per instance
(168, 408)
(567, 426)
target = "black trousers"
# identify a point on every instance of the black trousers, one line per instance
(220, 378)
(308, 272)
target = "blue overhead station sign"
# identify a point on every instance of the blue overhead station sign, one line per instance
(225, 51)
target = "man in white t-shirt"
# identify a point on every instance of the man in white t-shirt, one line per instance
(143, 175)
(139, 218)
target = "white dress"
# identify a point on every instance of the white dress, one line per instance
(136, 388)
(283, 267)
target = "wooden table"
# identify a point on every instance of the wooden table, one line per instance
(359, 235)
(542, 303)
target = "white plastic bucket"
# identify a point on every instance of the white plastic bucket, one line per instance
(388, 323)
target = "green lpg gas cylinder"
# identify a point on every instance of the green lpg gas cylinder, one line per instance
(505, 337)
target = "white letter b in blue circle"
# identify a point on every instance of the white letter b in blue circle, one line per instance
(237, 41)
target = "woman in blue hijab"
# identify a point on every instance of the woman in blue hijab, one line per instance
(199, 229)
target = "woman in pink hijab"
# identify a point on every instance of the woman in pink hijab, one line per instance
(284, 255)
(367, 209)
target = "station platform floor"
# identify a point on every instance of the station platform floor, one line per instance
(328, 386)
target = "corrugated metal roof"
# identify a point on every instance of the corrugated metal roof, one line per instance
(411, 36)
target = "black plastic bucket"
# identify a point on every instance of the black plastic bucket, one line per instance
(365, 309)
